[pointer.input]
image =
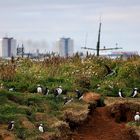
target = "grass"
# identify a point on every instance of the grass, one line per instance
(15, 105)
(36, 109)
(73, 73)
(134, 124)
(70, 73)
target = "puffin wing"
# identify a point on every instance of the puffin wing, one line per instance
(108, 69)
(9, 126)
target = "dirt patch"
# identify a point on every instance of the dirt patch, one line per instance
(5, 135)
(91, 97)
(101, 126)
(124, 112)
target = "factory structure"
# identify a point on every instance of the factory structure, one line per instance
(65, 47)
(8, 47)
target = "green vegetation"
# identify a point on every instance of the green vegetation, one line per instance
(134, 124)
(16, 106)
(71, 73)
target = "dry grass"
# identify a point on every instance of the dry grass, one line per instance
(76, 112)
(112, 100)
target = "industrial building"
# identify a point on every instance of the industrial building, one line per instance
(7, 47)
(66, 47)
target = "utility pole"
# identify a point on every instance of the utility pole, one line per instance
(98, 42)
(98, 49)
(22, 50)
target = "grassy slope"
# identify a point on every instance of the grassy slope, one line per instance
(72, 73)
(33, 109)
(29, 110)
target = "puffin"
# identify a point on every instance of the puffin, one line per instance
(134, 93)
(58, 91)
(79, 94)
(67, 101)
(1, 86)
(46, 91)
(40, 128)
(12, 89)
(11, 125)
(98, 86)
(39, 89)
(137, 117)
(120, 93)
(110, 72)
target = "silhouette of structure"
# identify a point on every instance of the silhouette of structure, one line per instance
(66, 47)
(7, 47)
(20, 51)
(98, 44)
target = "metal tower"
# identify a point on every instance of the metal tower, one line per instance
(98, 44)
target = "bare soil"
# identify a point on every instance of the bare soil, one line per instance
(101, 126)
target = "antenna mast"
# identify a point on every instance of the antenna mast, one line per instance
(98, 43)
(99, 36)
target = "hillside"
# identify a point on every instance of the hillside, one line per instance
(115, 121)
(28, 109)
(72, 73)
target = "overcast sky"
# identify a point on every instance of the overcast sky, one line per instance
(49, 20)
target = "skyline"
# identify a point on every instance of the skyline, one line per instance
(49, 20)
